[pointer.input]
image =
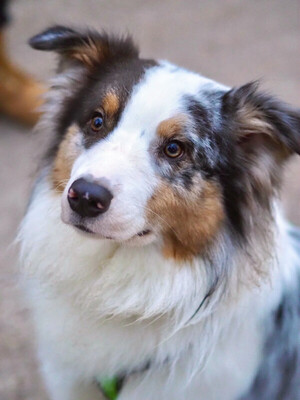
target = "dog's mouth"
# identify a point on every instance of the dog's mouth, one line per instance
(84, 229)
(143, 233)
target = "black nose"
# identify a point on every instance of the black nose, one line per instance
(88, 199)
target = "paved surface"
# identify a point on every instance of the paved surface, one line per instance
(232, 41)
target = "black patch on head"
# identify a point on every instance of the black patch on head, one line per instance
(119, 77)
(110, 64)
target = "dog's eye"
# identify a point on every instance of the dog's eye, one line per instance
(97, 121)
(173, 149)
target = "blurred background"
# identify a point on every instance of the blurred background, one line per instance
(231, 41)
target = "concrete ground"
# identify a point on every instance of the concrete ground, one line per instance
(232, 41)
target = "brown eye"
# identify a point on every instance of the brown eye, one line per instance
(173, 150)
(97, 122)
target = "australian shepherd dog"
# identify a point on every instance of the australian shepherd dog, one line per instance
(153, 248)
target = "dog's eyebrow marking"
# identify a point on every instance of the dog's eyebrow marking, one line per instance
(171, 126)
(142, 133)
(111, 103)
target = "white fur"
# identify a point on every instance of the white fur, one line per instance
(102, 307)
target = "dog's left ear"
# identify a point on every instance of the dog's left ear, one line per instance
(260, 123)
(89, 48)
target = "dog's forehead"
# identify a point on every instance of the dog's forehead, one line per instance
(161, 94)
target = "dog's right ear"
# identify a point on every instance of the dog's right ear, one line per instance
(89, 48)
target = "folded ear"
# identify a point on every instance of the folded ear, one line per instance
(260, 133)
(261, 121)
(89, 48)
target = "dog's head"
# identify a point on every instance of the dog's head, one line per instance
(147, 151)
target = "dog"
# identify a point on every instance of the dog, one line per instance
(153, 249)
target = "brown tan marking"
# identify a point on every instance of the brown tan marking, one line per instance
(90, 53)
(111, 104)
(190, 221)
(69, 150)
(171, 126)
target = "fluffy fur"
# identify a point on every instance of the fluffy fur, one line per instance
(188, 286)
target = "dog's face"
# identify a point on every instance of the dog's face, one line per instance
(150, 152)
